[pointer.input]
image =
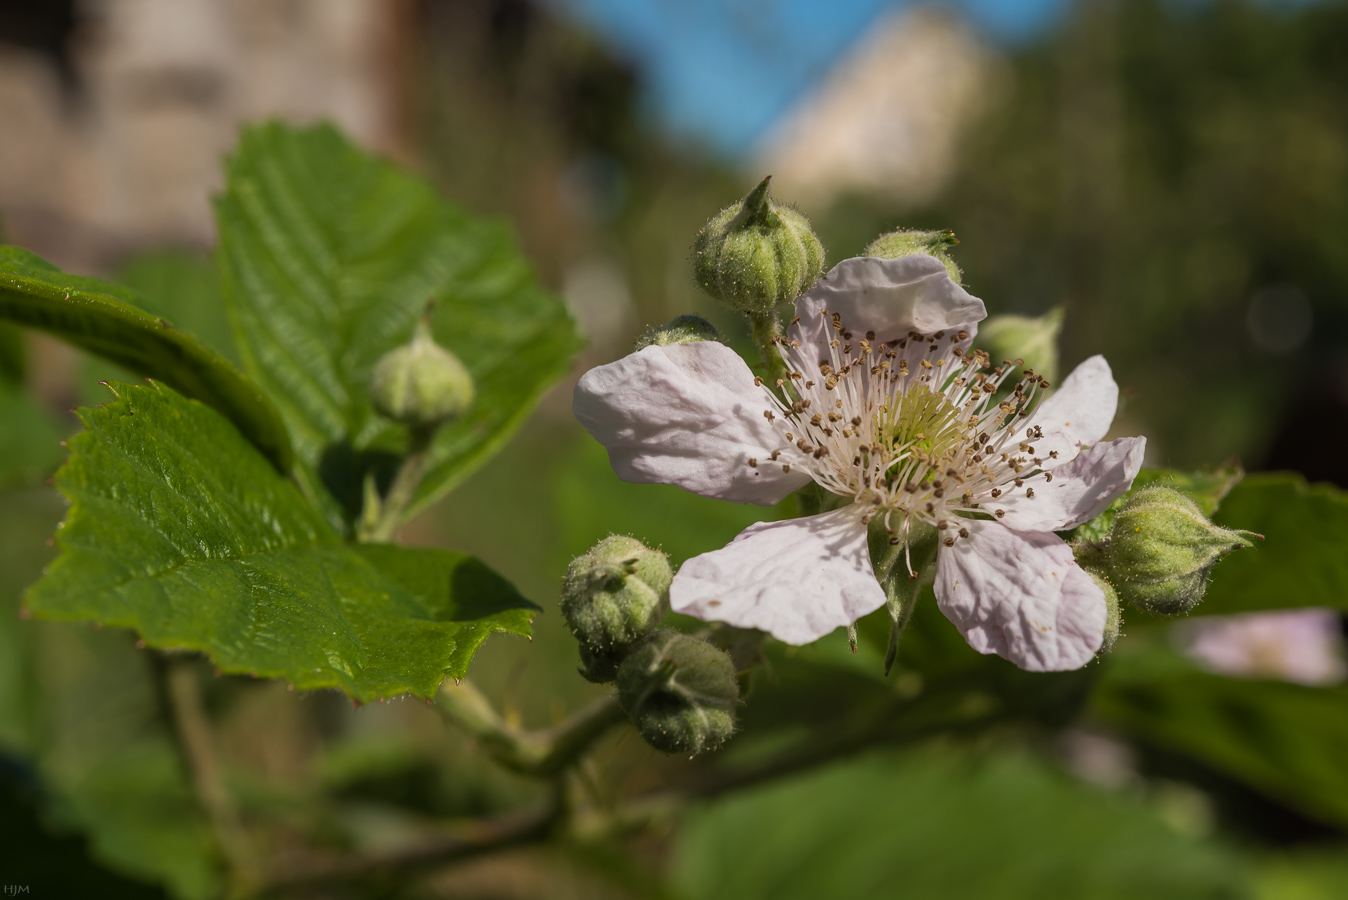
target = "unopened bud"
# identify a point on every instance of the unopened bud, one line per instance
(1162, 550)
(612, 597)
(679, 330)
(755, 255)
(421, 383)
(1034, 340)
(1094, 561)
(905, 242)
(680, 693)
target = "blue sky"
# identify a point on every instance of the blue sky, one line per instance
(721, 71)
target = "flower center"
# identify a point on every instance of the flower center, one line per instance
(913, 428)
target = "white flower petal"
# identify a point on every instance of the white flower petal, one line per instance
(1080, 489)
(891, 297)
(1077, 414)
(1021, 596)
(797, 579)
(690, 415)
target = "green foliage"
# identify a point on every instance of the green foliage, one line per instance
(102, 319)
(29, 439)
(137, 807)
(13, 355)
(1284, 740)
(55, 865)
(182, 288)
(327, 257)
(260, 582)
(940, 824)
(1301, 562)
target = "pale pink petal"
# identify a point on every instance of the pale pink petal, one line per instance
(891, 297)
(1080, 489)
(1077, 414)
(1300, 645)
(797, 579)
(1021, 596)
(687, 414)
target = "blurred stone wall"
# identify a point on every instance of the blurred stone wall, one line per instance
(115, 141)
(888, 119)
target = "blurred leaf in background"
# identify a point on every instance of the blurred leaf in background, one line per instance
(943, 823)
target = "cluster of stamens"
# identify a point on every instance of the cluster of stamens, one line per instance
(916, 428)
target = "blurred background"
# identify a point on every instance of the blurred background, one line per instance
(1172, 173)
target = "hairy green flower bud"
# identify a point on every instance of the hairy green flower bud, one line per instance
(612, 597)
(1094, 561)
(680, 692)
(1034, 340)
(1114, 615)
(1162, 550)
(906, 242)
(679, 330)
(755, 255)
(421, 383)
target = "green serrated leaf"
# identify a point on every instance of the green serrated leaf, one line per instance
(1284, 740)
(327, 256)
(180, 529)
(102, 318)
(1300, 562)
(1205, 488)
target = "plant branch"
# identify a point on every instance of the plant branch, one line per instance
(475, 839)
(193, 728)
(384, 526)
(887, 726)
(539, 753)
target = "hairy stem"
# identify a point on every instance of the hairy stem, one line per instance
(183, 689)
(767, 327)
(539, 753)
(384, 527)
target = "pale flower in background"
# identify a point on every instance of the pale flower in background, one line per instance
(893, 413)
(1305, 646)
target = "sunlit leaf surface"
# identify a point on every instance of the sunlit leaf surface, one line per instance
(327, 256)
(179, 529)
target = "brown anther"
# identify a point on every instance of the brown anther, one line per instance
(964, 532)
(949, 542)
(786, 467)
(996, 492)
(1048, 476)
(768, 414)
(773, 456)
(753, 463)
(999, 513)
(1029, 492)
(942, 525)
